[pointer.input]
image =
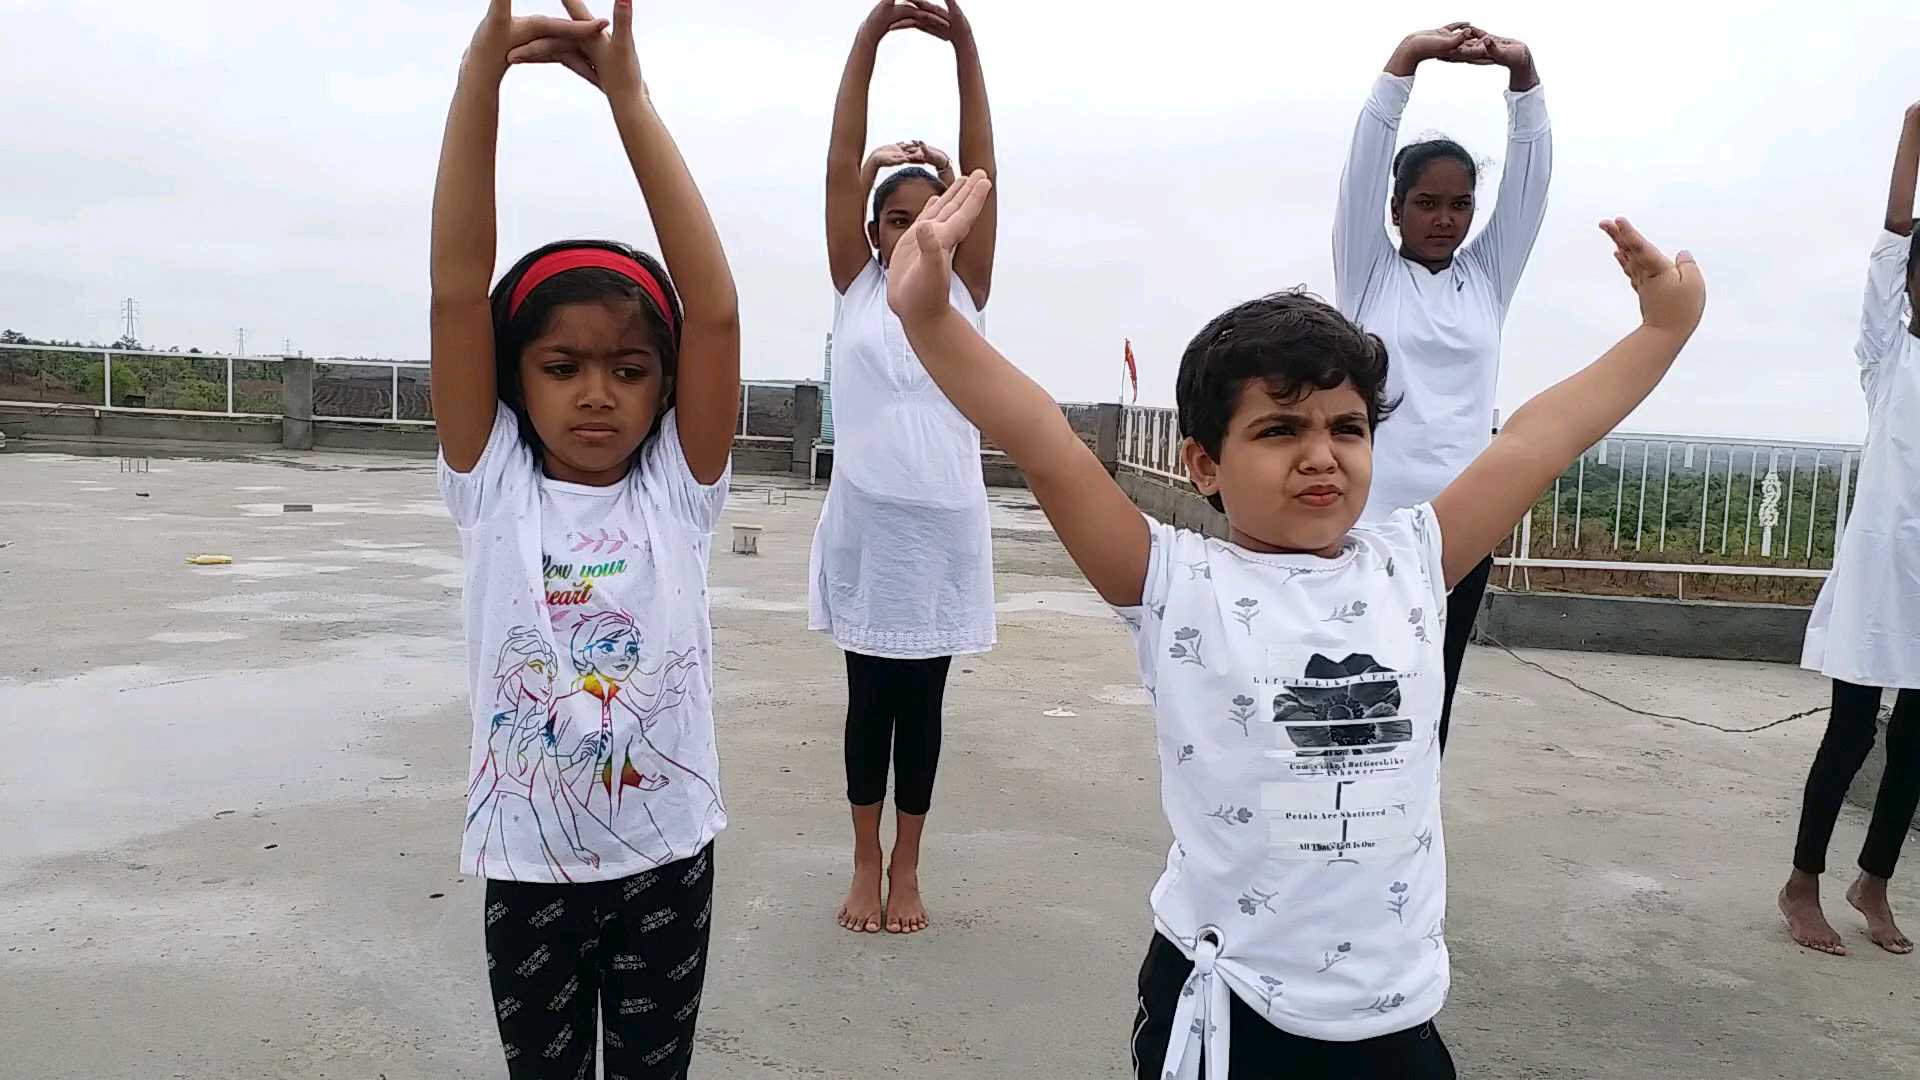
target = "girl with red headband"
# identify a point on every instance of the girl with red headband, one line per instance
(586, 422)
(902, 567)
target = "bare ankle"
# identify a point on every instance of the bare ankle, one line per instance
(1801, 884)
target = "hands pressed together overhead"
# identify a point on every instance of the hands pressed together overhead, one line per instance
(912, 152)
(599, 50)
(948, 22)
(1465, 43)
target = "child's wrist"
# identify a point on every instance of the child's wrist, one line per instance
(475, 70)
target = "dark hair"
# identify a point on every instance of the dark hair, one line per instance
(1413, 159)
(587, 285)
(1913, 250)
(891, 184)
(1295, 343)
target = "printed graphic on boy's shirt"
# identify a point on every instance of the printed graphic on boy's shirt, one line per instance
(1340, 732)
(1342, 711)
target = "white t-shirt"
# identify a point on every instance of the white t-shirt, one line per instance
(1865, 627)
(902, 562)
(1298, 705)
(1442, 330)
(590, 663)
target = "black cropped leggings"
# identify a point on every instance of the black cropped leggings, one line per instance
(1850, 733)
(893, 710)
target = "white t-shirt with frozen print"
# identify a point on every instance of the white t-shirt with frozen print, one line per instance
(590, 657)
(1298, 702)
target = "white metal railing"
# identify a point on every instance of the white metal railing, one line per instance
(769, 389)
(210, 384)
(1150, 441)
(1763, 507)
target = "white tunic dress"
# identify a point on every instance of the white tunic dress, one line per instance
(902, 562)
(1865, 627)
(1442, 330)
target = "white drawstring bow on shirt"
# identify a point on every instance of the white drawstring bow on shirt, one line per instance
(1203, 1017)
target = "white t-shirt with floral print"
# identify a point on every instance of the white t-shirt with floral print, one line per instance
(1298, 699)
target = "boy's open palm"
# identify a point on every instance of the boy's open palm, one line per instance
(917, 281)
(1673, 294)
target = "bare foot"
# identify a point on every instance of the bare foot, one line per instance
(861, 911)
(1868, 895)
(906, 913)
(1800, 904)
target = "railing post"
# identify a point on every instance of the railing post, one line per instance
(1840, 513)
(746, 398)
(296, 403)
(229, 386)
(1813, 506)
(394, 402)
(806, 428)
(1619, 495)
(106, 358)
(1106, 436)
(1579, 498)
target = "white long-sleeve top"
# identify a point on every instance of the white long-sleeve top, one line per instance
(1442, 330)
(1865, 627)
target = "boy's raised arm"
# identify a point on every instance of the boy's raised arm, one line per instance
(1551, 431)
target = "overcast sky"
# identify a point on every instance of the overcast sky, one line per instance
(270, 166)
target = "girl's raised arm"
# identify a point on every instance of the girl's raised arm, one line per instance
(850, 173)
(707, 384)
(974, 260)
(1887, 304)
(463, 239)
(1360, 237)
(1906, 173)
(1521, 207)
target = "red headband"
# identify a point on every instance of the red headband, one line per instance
(580, 258)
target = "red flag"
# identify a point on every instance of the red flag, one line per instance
(1133, 372)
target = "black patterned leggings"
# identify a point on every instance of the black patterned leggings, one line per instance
(631, 953)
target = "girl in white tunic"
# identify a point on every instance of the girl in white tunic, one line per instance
(1865, 629)
(902, 566)
(1439, 306)
(1295, 668)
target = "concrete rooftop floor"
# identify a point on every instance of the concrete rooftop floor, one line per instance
(231, 799)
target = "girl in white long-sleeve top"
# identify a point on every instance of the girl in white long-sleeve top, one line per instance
(1438, 305)
(1865, 629)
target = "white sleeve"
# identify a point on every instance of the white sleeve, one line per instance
(1361, 245)
(498, 481)
(664, 468)
(1166, 550)
(1887, 307)
(1424, 528)
(1503, 246)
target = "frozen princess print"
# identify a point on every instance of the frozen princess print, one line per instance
(618, 755)
(504, 787)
